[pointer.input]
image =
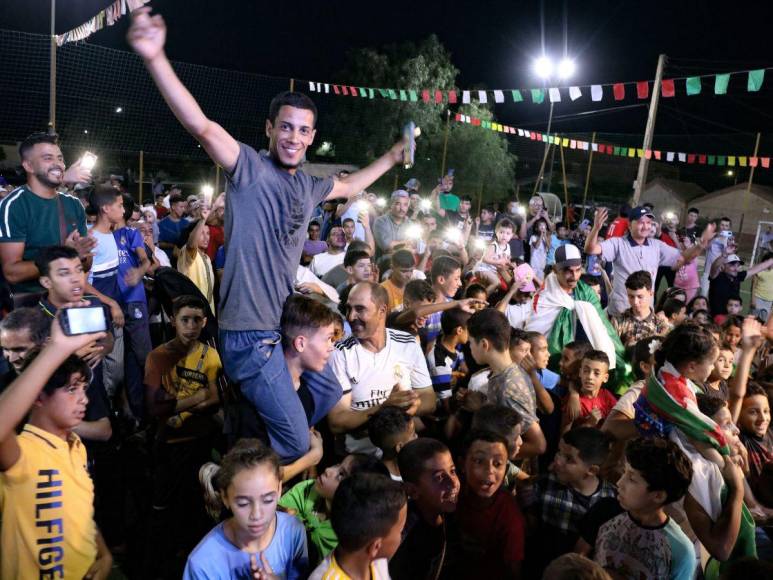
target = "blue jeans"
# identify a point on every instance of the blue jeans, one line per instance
(137, 347)
(254, 359)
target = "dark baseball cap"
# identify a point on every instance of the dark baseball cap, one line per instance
(639, 212)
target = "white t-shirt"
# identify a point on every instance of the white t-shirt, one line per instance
(322, 263)
(499, 252)
(518, 314)
(304, 275)
(353, 213)
(479, 381)
(368, 377)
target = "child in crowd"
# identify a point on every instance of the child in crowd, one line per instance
(574, 567)
(674, 313)
(181, 392)
(697, 303)
(477, 292)
(430, 538)
(107, 202)
(517, 302)
(256, 540)
(687, 274)
(193, 261)
(731, 334)
(446, 361)
(644, 542)
(569, 363)
(541, 356)
(507, 423)
(539, 245)
(595, 402)
(401, 273)
(734, 308)
(368, 514)
(310, 501)
(133, 264)
(48, 527)
(359, 268)
(701, 317)
(389, 429)
(570, 490)
(417, 293)
(560, 237)
(716, 384)
(508, 384)
(446, 279)
(490, 521)
(496, 257)
(640, 320)
(754, 423)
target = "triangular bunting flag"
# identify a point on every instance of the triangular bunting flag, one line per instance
(753, 161)
(425, 96)
(765, 162)
(336, 90)
(682, 157)
(742, 161)
(371, 93)
(565, 142)
(731, 160)
(721, 160)
(452, 97)
(691, 158)
(596, 92)
(555, 95)
(403, 95)
(438, 97)
(712, 160)
(648, 154)
(312, 86)
(670, 156)
(667, 86)
(702, 159)
(573, 144)
(575, 93)
(595, 146)
(643, 89)
(327, 88)
(413, 95)
(657, 155)
(345, 90)
(631, 152)
(466, 97)
(517, 97)
(499, 97)
(482, 98)
(618, 90)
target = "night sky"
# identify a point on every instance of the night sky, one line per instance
(493, 44)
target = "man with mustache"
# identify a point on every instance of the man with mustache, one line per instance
(36, 215)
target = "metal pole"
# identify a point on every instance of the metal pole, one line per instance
(538, 184)
(749, 186)
(142, 172)
(587, 176)
(292, 85)
(445, 143)
(641, 176)
(566, 189)
(52, 72)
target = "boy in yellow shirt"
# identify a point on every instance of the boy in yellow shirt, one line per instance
(48, 528)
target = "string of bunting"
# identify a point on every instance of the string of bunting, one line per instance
(621, 151)
(106, 17)
(619, 91)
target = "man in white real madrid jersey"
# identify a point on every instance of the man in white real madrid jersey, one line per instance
(376, 366)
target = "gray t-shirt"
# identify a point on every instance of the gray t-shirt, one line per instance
(266, 216)
(627, 257)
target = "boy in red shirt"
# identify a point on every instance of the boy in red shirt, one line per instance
(595, 403)
(490, 522)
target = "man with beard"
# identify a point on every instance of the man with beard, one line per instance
(36, 215)
(376, 366)
(269, 204)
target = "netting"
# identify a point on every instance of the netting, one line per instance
(93, 82)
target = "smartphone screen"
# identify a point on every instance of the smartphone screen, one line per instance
(84, 320)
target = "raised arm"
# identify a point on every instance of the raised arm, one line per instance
(756, 269)
(355, 182)
(706, 237)
(18, 398)
(592, 245)
(147, 35)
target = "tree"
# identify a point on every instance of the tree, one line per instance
(361, 129)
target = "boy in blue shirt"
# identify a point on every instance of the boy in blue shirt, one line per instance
(133, 263)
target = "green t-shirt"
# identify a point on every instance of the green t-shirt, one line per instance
(34, 220)
(449, 201)
(303, 500)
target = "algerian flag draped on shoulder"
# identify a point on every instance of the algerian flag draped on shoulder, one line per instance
(556, 314)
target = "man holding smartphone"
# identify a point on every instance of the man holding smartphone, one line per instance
(265, 239)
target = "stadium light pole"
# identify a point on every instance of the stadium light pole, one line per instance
(546, 70)
(52, 73)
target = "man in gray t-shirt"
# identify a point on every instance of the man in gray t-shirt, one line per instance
(637, 251)
(268, 207)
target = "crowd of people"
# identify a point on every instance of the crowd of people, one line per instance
(302, 379)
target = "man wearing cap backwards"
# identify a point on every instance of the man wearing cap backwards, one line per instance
(636, 251)
(391, 229)
(726, 279)
(269, 204)
(566, 309)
